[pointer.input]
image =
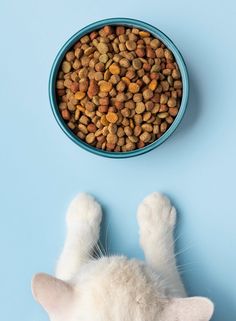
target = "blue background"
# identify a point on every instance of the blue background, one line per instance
(41, 169)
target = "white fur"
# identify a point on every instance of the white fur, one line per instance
(157, 218)
(83, 226)
(115, 288)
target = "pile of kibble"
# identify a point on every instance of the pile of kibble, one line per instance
(119, 89)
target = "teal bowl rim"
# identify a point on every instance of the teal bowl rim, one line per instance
(129, 23)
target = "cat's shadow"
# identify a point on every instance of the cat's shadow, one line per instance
(193, 110)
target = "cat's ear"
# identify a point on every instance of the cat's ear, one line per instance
(52, 293)
(189, 309)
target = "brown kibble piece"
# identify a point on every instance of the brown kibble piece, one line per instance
(120, 30)
(90, 138)
(137, 64)
(112, 117)
(70, 56)
(114, 69)
(145, 137)
(130, 45)
(140, 52)
(105, 86)
(177, 84)
(144, 34)
(121, 86)
(102, 48)
(171, 102)
(140, 108)
(168, 54)
(163, 127)
(121, 97)
(147, 94)
(163, 99)
(60, 84)
(74, 87)
(83, 85)
(140, 144)
(137, 130)
(130, 74)
(147, 127)
(175, 74)
(153, 85)
(112, 138)
(134, 87)
(66, 67)
(84, 120)
(92, 128)
(173, 111)
(90, 106)
(124, 63)
(103, 109)
(79, 95)
(104, 101)
(163, 115)
(65, 114)
(155, 43)
(107, 30)
(60, 92)
(150, 52)
(83, 128)
(93, 35)
(147, 115)
(160, 53)
(93, 88)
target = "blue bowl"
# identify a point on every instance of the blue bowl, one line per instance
(129, 23)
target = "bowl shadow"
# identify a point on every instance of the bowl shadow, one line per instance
(193, 110)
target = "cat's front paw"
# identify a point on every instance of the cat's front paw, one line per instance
(84, 209)
(156, 214)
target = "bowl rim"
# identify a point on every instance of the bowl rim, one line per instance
(129, 22)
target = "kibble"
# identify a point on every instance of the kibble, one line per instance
(130, 45)
(134, 87)
(112, 117)
(80, 95)
(102, 48)
(114, 69)
(105, 86)
(90, 138)
(119, 88)
(137, 64)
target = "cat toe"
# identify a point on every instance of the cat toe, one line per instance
(84, 208)
(156, 209)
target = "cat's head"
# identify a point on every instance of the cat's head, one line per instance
(61, 301)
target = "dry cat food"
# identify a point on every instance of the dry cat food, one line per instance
(119, 88)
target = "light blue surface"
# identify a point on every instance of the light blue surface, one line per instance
(41, 169)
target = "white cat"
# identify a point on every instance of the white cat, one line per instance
(115, 288)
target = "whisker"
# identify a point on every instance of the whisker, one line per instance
(185, 264)
(99, 252)
(102, 248)
(172, 258)
(184, 250)
(177, 238)
(106, 239)
(186, 271)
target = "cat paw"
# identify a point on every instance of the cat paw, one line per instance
(84, 209)
(156, 214)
